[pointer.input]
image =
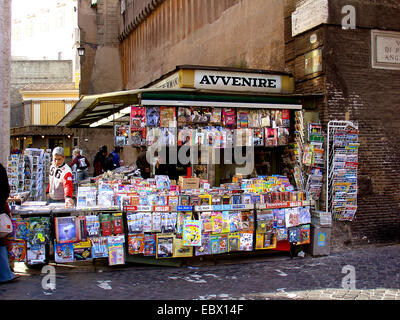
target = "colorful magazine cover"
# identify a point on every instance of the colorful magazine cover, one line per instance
(191, 233)
(235, 219)
(149, 245)
(39, 230)
(147, 221)
(205, 245)
(105, 224)
(214, 244)
(292, 217)
(225, 216)
(180, 250)
(167, 117)
(304, 215)
(82, 251)
(153, 116)
(305, 234)
(64, 252)
(117, 223)
(242, 118)
(36, 254)
(281, 234)
(271, 137)
(206, 221)
(294, 234)
(92, 225)
(216, 222)
(122, 134)
(116, 254)
(228, 117)
(65, 229)
(259, 241)
(223, 243)
(156, 221)
(136, 244)
(233, 241)
(246, 241)
(99, 247)
(17, 250)
(181, 217)
(280, 218)
(165, 246)
(138, 118)
(269, 240)
(22, 229)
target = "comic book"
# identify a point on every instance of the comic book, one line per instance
(246, 241)
(153, 116)
(265, 221)
(214, 244)
(225, 216)
(242, 118)
(216, 116)
(22, 229)
(116, 254)
(181, 217)
(117, 223)
(116, 250)
(235, 219)
(105, 224)
(156, 221)
(205, 245)
(294, 234)
(184, 200)
(165, 246)
(305, 234)
(147, 221)
(191, 235)
(35, 254)
(259, 241)
(247, 221)
(92, 225)
(205, 218)
(281, 234)
(173, 201)
(136, 244)
(216, 222)
(99, 247)
(17, 250)
(280, 218)
(167, 117)
(82, 251)
(228, 117)
(236, 199)
(271, 137)
(181, 250)
(286, 118)
(223, 243)
(292, 217)
(233, 241)
(149, 245)
(81, 230)
(65, 229)
(304, 215)
(39, 230)
(205, 200)
(247, 198)
(64, 252)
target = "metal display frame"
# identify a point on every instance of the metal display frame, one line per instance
(333, 127)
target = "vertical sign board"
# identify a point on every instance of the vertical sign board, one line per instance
(309, 14)
(385, 49)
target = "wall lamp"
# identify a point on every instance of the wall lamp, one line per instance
(81, 50)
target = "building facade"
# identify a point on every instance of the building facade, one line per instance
(344, 56)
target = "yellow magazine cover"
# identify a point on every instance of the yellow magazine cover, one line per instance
(205, 200)
(180, 250)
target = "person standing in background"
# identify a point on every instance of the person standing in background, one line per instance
(60, 188)
(82, 165)
(115, 157)
(6, 274)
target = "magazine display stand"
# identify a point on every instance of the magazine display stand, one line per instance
(342, 165)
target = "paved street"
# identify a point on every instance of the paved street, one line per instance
(376, 273)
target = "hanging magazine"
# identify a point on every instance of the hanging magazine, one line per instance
(191, 233)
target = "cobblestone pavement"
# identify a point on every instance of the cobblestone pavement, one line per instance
(375, 271)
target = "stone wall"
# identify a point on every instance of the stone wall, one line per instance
(5, 56)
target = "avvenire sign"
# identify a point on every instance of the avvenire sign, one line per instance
(237, 81)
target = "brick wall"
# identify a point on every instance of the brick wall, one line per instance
(369, 97)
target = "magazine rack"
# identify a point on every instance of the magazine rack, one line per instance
(342, 164)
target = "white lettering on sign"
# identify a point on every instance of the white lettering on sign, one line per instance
(237, 81)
